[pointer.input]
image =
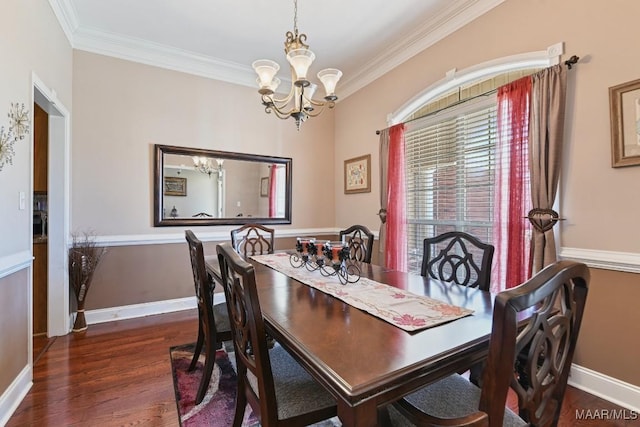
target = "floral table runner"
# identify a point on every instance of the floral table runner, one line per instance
(401, 308)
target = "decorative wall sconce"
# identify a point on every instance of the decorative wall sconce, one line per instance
(17, 130)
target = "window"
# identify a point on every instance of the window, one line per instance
(450, 172)
(281, 191)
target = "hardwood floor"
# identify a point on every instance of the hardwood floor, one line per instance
(118, 373)
(115, 373)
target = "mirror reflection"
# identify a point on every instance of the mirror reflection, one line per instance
(208, 187)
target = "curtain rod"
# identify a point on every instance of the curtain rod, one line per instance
(569, 63)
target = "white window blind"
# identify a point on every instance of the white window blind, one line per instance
(450, 172)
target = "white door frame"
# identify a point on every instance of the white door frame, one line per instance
(59, 166)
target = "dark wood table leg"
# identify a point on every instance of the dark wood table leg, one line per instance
(363, 415)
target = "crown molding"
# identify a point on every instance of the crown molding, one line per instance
(458, 14)
(455, 16)
(67, 17)
(154, 54)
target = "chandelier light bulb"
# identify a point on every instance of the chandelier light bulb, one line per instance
(309, 91)
(301, 60)
(329, 78)
(266, 70)
(272, 87)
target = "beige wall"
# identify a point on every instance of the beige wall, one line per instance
(31, 42)
(603, 34)
(599, 202)
(14, 327)
(140, 274)
(608, 340)
(123, 108)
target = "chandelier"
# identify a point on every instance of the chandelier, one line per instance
(204, 165)
(299, 103)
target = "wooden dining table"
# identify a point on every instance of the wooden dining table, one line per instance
(364, 361)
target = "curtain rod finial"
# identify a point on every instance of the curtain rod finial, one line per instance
(571, 61)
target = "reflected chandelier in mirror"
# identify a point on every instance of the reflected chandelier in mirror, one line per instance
(194, 186)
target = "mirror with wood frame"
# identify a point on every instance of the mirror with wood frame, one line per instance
(194, 186)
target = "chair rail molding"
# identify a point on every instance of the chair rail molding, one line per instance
(608, 260)
(205, 236)
(15, 262)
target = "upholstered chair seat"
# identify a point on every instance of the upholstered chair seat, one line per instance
(451, 397)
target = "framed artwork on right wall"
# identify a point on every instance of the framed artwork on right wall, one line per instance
(357, 175)
(624, 105)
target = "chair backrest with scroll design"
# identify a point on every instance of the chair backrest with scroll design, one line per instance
(541, 346)
(257, 366)
(213, 320)
(253, 239)
(360, 241)
(458, 257)
(533, 338)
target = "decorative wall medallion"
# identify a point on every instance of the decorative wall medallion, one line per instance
(18, 129)
(18, 120)
(6, 147)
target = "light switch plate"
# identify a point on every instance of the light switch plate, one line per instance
(23, 200)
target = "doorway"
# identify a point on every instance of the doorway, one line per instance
(39, 229)
(58, 201)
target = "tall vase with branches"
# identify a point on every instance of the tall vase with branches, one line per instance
(84, 257)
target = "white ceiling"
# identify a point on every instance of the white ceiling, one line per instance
(221, 38)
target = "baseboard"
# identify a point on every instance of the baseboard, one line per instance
(608, 388)
(15, 393)
(138, 310)
(145, 309)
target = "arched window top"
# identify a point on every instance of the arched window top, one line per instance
(485, 70)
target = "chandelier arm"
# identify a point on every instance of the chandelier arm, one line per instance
(315, 112)
(329, 104)
(283, 101)
(279, 112)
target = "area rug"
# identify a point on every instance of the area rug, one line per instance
(218, 405)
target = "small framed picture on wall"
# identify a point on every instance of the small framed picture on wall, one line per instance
(264, 186)
(624, 105)
(174, 186)
(357, 175)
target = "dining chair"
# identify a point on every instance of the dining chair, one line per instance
(213, 320)
(278, 389)
(360, 240)
(458, 257)
(253, 239)
(542, 315)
